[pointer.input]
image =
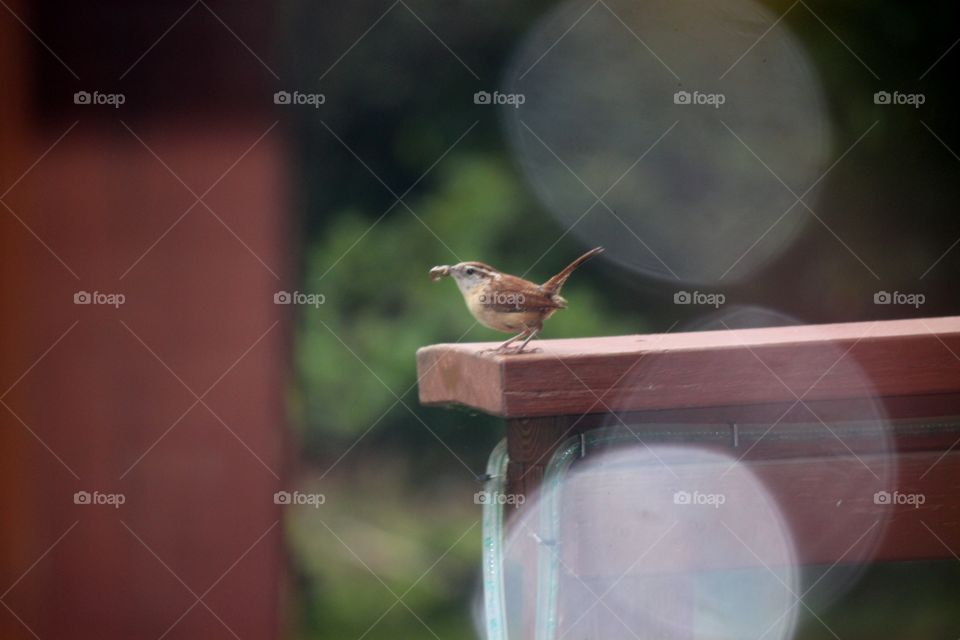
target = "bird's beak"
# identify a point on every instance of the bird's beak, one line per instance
(438, 272)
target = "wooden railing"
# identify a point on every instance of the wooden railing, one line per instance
(794, 402)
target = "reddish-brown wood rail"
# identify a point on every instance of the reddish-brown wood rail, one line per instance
(804, 409)
(905, 362)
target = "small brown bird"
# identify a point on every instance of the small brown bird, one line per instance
(508, 303)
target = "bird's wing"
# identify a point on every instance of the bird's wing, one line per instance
(513, 294)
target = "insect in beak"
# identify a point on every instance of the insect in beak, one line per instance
(438, 272)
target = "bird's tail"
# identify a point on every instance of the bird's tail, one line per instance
(554, 284)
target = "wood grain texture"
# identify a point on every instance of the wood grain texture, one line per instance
(711, 369)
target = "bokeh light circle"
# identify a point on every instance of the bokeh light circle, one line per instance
(859, 440)
(676, 186)
(656, 542)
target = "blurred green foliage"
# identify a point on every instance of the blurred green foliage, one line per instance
(375, 541)
(381, 306)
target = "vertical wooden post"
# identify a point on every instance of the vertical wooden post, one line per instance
(530, 444)
(20, 501)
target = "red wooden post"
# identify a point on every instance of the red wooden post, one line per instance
(15, 540)
(91, 407)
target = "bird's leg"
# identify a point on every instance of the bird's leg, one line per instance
(506, 344)
(532, 334)
(527, 335)
(502, 347)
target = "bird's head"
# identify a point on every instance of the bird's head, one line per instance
(468, 275)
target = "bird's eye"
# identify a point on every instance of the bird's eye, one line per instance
(471, 271)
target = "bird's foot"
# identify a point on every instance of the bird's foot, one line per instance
(510, 350)
(513, 350)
